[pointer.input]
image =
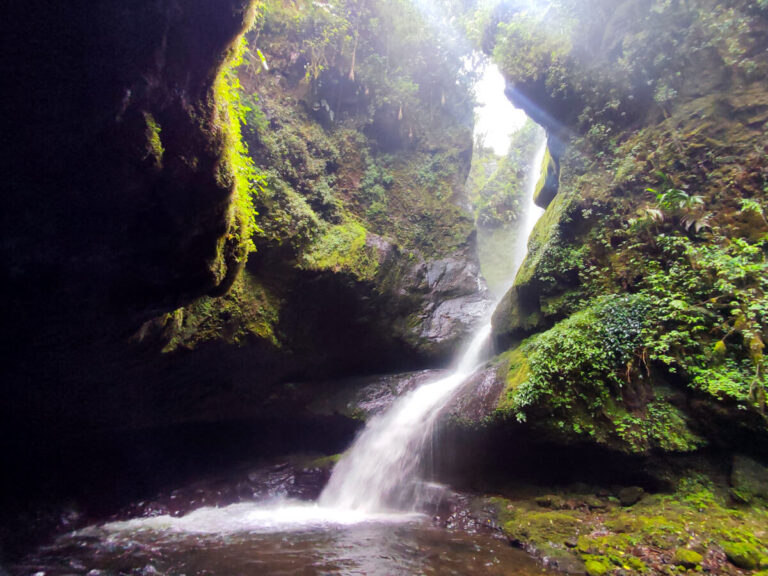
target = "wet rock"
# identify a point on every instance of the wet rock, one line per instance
(357, 398)
(301, 479)
(454, 301)
(478, 397)
(549, 180)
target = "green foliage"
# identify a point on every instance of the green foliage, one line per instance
(533, 52)
(496, 185)
(606, 63)
(577, 364)
(578, 372)
(287, 218)
(343, 248)
(674, 201)
(154, 143)
(375, 125)
(706, 296)
(248, 311)
(233, 114)
(750, 206)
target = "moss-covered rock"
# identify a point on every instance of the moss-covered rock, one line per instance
(628, 147)
(687, 558)
(686, 528)
(742, 554)
(630, 495)
(749, 479)
(596, 568)
(549, 181)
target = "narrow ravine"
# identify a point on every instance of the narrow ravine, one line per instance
(369, 519)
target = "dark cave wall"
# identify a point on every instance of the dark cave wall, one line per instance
(118, 192)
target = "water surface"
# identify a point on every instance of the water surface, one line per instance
(246, 540)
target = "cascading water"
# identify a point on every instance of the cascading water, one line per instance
(380, 470)
(530, 214)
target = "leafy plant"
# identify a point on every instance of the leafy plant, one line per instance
(676, 202)
(749, 206)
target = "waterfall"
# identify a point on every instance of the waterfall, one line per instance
(378, 477)
(380, 471)
(531, 213)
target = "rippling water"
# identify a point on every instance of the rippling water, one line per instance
(246, 539)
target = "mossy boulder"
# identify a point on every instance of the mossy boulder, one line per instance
(630, 495)
(749, 479)
(742, 554)
(517, 316)
(596, 568)
(687, 558)
(543, 528)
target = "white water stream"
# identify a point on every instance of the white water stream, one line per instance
(379, 472)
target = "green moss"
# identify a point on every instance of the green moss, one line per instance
(548, 183)
(154, 143)
(742, 554)
(343, 248)
(249, 310)
(550, 258)
(596, 568)
(543, 528)
(678, 528)
(517, 373)
(326, 461)
(687, 558)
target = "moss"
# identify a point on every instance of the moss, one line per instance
(343, 249)
(543, 528)
(596, 568)
(550, 257)
(742, 554)
(749, 479)
(248, 310)
(238, 171)
(154, 143)
(517, 372)
(548, 183)
(686, 527)
(326, 461)
(687, 558)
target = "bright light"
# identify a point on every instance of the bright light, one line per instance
(496, 117)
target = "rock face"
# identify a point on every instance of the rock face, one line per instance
(120, 184)
(602, 344)
(124, 230)
(121, 192)
(456, 301)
